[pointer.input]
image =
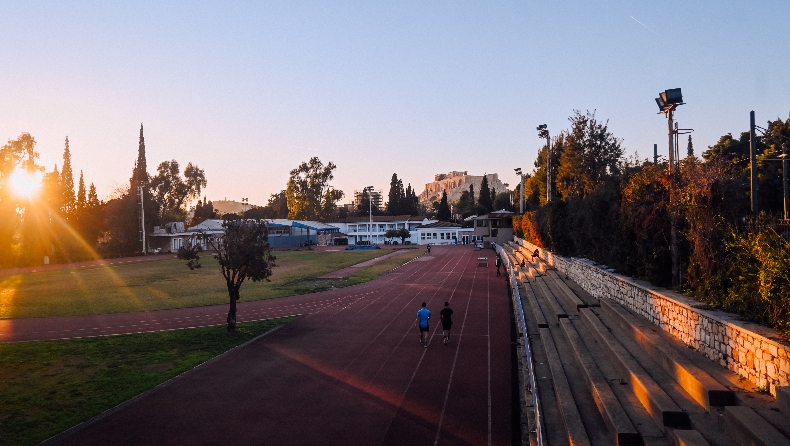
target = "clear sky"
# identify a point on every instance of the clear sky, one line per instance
(248, 90)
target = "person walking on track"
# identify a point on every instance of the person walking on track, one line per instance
(446, 316)
(422, 321)
(498, 264)
(429, 249)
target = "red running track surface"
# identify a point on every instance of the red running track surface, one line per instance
(351, 372)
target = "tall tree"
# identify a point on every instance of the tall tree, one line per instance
(309, 194)
(140, 172)
(67, 183)
(690, 148)
(484, 199)
(589, 154)
(443, 213)
(243, 252)
(397, 197)
(82, 200)
(172, 192)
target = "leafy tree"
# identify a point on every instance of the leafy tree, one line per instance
(204, 211)
(411, 204)
(443, 213)
(484, 199)
(466, 204)
(243, 252)
(171, 192)
(503, 200)
(191, 253)
(401, 233)
(309, 195)
(589, 153)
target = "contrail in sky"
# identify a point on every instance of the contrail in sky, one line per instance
(648, 28)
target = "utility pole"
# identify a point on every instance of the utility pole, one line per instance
(753, 162)
(142, 215)
(370, 213)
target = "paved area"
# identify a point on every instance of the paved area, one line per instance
(350, 371)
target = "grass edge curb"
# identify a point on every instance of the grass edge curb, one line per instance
(78, 427)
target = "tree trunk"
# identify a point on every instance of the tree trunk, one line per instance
(675, 256)
(234, 296)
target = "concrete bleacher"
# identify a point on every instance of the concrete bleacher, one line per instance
(611, 377)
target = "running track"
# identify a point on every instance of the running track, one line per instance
(350, 371)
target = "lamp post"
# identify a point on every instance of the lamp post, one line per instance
(543, 132)
(782, 158)
(520, 191)
(244, 203)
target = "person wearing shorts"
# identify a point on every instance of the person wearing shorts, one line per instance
(423, 316)
(446, 316)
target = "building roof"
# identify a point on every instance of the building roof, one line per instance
(382, 219)
(304, 224)
(496, 214)
(439, 224)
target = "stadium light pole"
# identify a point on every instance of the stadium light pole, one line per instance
(543, 132)
(668, 101)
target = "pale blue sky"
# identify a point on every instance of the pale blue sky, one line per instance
(248, 91)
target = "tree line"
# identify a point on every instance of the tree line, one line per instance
(621, 212)
(67, 222)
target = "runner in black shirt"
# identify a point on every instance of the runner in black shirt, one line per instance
(446, 316)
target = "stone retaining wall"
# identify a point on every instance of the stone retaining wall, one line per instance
(750, 350)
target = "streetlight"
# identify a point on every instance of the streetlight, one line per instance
(244, 203)
(668, 101)
(521, 191)
(782, 158)
(543, 132)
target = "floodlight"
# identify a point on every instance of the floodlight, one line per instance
(673, 96)
(541, 127)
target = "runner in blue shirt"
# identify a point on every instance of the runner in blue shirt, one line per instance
(422, 321)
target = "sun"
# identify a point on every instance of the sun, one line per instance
(24, 184)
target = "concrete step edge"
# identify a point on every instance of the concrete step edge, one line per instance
(705, 390)
(687, 438)
(747, 427)
(609, 406)
(577, 434)
(657, 403)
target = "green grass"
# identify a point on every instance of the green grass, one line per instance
(49, 386)
(166, 284)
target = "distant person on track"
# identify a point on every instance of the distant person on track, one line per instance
(429, 249)
(446, 316)
(498, 264)
(422, 322)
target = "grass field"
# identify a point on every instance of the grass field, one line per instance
(169, 284)
(49, 386)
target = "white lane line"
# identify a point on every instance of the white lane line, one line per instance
(455, 359)
(488, 334)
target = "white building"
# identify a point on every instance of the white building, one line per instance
(361, 229)
(439, 233)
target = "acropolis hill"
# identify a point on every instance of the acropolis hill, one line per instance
(455, 183)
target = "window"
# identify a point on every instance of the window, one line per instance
(177, 243)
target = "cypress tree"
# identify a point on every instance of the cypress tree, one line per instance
(67, 182)
(484, 199)
(140, 172)
(81, 197)
(443, 213)
(690, 148)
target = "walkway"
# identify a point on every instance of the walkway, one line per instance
(350, 371)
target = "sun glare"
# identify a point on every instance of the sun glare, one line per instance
(24, 184)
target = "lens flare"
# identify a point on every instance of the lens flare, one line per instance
(24, 184)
